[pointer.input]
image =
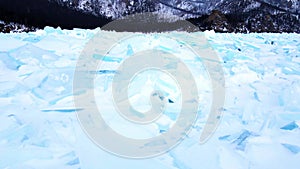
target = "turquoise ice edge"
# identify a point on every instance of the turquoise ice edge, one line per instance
(259, 127)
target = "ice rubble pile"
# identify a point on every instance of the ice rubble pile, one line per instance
(259, 128)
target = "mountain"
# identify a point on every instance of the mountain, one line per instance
(184, 8)
(219, 15)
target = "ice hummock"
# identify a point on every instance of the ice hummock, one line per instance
(259, 127)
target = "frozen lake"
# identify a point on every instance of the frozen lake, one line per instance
(259, 127)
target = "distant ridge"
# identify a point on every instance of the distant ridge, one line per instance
(41, 13)
(242, 16)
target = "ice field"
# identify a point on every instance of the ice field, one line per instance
(259, 128)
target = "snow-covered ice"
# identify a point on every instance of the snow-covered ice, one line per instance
(260, 126)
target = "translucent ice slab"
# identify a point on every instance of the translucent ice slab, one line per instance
(259, 127)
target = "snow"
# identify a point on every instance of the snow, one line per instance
(183, 8)
(259, 128)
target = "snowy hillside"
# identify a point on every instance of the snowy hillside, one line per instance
(188, 8)
(240, 16)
